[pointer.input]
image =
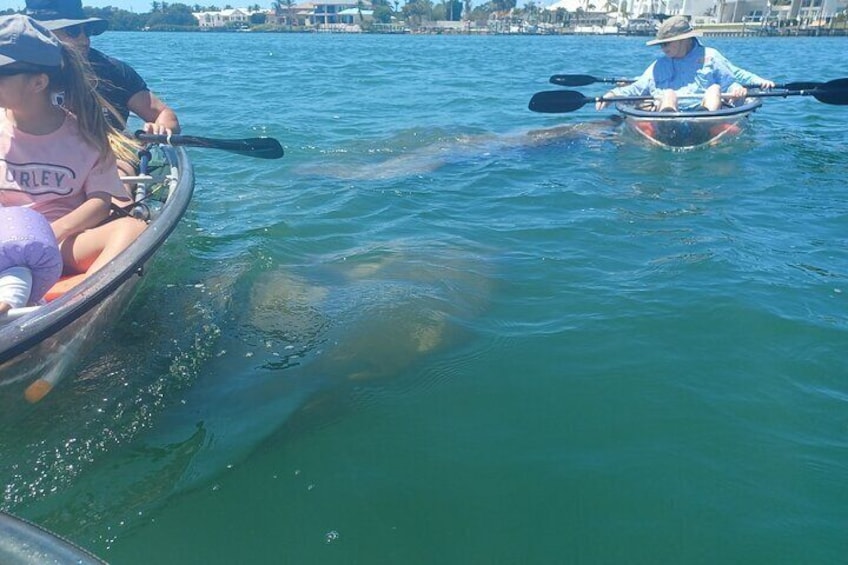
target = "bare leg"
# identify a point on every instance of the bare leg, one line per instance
(712, 98)
(94, 248)
(669, 101)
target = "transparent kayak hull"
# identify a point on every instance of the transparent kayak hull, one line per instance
(682, 131)
(45, 343)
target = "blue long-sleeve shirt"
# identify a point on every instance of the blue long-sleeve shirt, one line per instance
(689, 75)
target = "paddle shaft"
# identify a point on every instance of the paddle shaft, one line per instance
(259, 147)
(585, 80)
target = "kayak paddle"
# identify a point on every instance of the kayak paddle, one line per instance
(585, 80)
(561, 101)
(259, 147)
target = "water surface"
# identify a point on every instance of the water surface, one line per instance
(446, 329)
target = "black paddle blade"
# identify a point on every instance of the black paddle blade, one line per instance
(833, 92)
(558, 101)
(258, 147)
(574, 80)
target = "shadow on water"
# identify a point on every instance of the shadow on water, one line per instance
(281, 338)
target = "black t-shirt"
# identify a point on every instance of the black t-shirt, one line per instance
(117, 82)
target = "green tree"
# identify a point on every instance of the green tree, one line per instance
(281, 7)
(532, 11)
(119, 20)
(172, 16)
(562, 16)
(383, 14)
(382, 11)
(418, 11)
(503, 5)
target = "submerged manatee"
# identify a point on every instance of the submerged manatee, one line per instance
(293, 334)
(408, 156)
(369, 316)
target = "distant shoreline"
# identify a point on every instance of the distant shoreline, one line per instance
(789, 33)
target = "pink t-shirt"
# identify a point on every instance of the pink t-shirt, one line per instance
(54, 173)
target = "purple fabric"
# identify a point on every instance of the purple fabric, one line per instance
(26, 239)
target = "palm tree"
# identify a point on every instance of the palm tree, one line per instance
(277, 5)
(290, 9)
(532, 11)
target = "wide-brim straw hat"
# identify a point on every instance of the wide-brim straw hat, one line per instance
(59, 14)
(674, 28)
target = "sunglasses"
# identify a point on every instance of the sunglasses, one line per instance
(75, 30)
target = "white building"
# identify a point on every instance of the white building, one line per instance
(231, 16)
(328, 12)
(573, 5)
(723, 11)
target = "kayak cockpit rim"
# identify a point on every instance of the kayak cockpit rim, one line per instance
(750, 105)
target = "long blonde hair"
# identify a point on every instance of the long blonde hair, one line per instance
(75, 80)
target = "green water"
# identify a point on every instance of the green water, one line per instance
(428, 335)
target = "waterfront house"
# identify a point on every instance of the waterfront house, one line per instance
(231, 17)
(761, 12)
(355, 16)
(299, 15)
(327, 12)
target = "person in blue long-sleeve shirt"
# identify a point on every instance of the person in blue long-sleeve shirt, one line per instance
(688, 70)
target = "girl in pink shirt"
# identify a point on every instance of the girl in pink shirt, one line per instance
(56, 147)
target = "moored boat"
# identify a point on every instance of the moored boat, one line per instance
(687, 130)
(40, 344)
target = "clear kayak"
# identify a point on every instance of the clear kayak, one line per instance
(39, 345)
(682, 131)
(25, 543)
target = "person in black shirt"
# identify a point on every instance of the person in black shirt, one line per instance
(117, 82)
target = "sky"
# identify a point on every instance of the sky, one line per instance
(144, 5)
(137, 5)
